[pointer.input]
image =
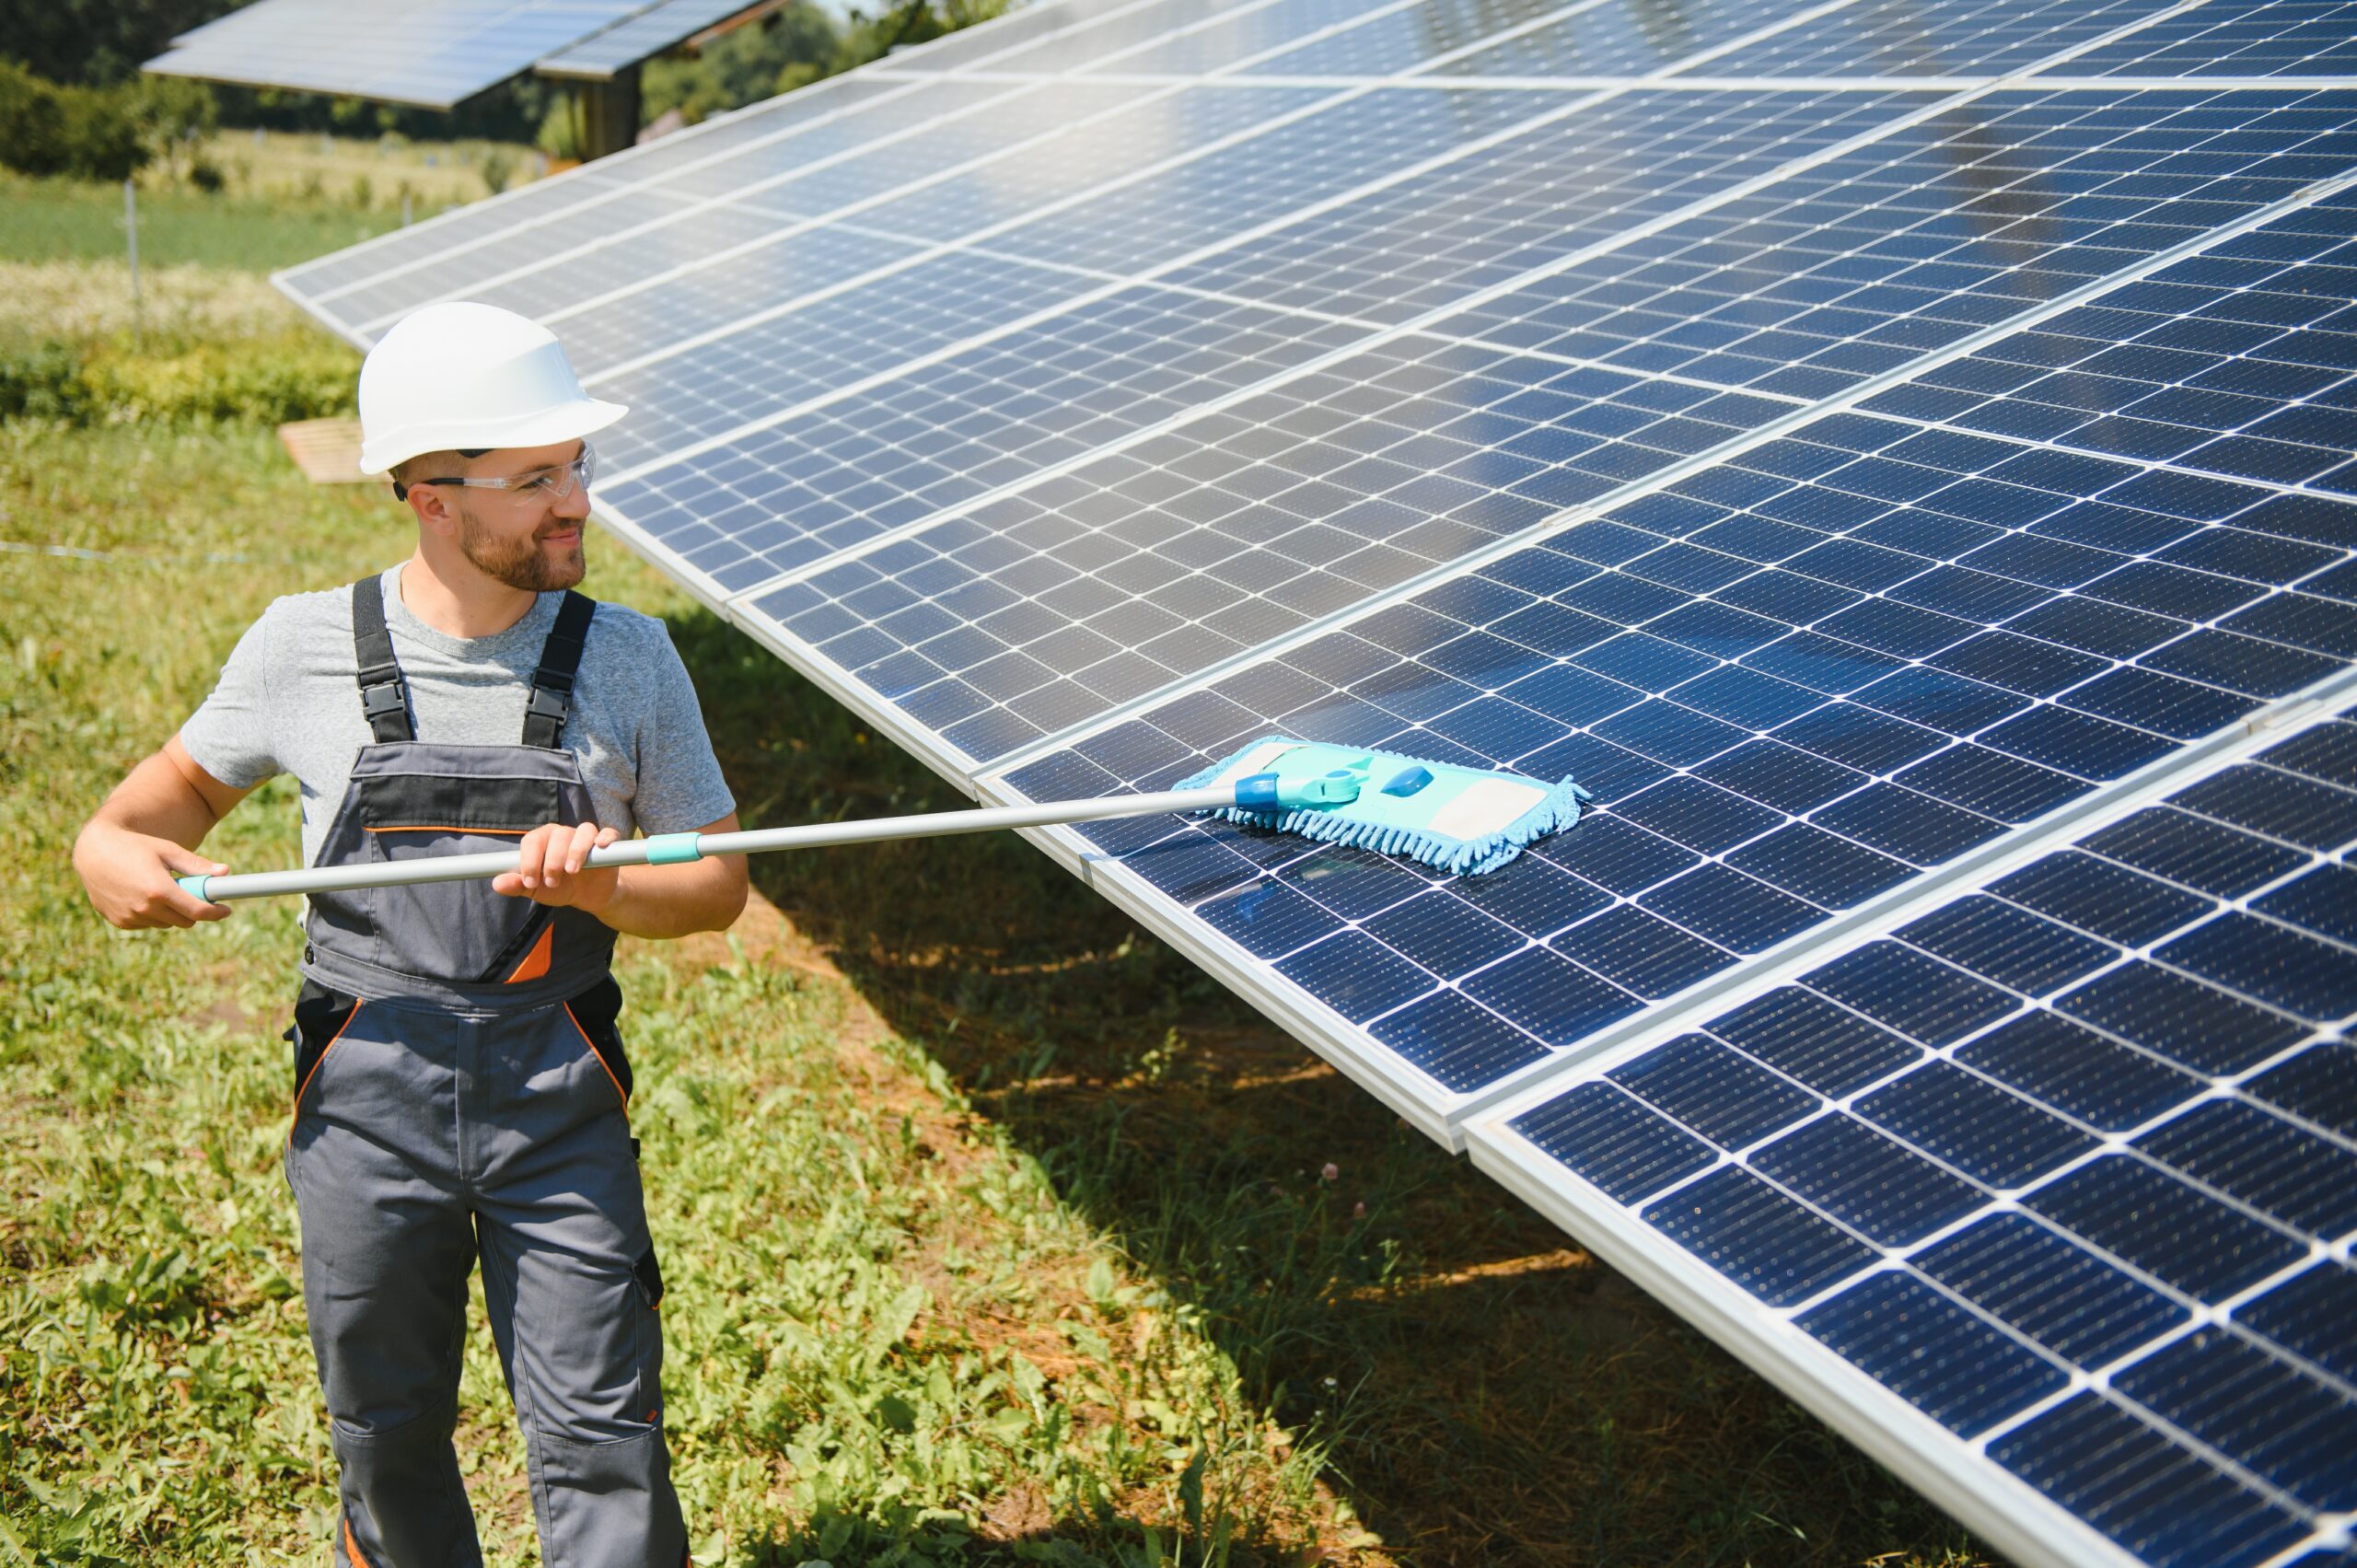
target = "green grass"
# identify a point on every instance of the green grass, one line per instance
(996, 1231)
(74, 220)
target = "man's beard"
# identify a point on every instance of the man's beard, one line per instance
(521, 563)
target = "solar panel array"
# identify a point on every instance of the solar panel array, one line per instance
(1872, 446)
(440, 53)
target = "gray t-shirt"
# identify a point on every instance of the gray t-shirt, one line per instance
(288, 702)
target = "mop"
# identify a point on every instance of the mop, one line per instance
(1462, 820)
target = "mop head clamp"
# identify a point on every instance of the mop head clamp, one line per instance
(1463, 820)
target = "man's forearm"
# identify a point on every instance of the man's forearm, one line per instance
(677, 901)
(156, 799)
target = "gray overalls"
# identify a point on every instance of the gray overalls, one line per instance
(459, 1088)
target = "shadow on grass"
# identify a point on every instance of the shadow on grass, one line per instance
(1487, 1392)
(832, 1538)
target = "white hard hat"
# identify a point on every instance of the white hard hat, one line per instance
(459, 377)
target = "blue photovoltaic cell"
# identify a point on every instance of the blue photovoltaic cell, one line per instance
(443, 52)
(1619, 38)
(1892, 38)
(1244, 32)
(2242, 361)
(1923, 1346)
(937, 437)
(1485, 217)
(2235, 37)
(2139, 1486)
(515, 217)
(593, 249)
(1179, 210)
(1859, 265)
(1040, 129)
(652, 30)
(2025, 1245)
(736, 378)
(661, 319)
(1145, 128)
(679, 160)
(720, 231)
(1403, 40)
(1229, 530)
(976, 47)
(1112, 30)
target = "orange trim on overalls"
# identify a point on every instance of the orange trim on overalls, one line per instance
(598, 1053)
(536, 962)
(296, 1112)
(446, 827)
(351, 1547)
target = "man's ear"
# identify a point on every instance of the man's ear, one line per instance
(433, 509)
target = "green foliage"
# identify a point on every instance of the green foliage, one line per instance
(296, 376)
(88, 133)
(740, 67)
(95, 133)
(97, 42)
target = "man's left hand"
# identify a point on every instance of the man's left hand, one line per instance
(551, 868)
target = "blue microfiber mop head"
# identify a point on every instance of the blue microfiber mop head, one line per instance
(1465, 821)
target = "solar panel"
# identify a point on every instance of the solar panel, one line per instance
(443, 52)
(663, 25)
(1898, 456)
(2049, 1187)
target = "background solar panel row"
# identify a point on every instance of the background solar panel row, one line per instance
(2069, 1165)
(443, 52)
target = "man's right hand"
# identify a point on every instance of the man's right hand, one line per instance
(129, 876)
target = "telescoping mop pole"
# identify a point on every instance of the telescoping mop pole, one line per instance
(1460, 819)
(672, 849)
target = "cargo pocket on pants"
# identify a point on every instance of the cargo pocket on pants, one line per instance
(648, 1275)
(594, 1012)
(320, 1018)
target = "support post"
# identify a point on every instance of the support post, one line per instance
(608, 114)
(131, 239)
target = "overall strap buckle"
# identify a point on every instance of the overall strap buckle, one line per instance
(384, 697)
(550, 702)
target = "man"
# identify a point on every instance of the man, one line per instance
(459, 1085)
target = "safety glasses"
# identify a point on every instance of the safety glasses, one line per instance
(554, 483)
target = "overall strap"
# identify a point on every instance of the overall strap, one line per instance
(551, 699)
(382, 695)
